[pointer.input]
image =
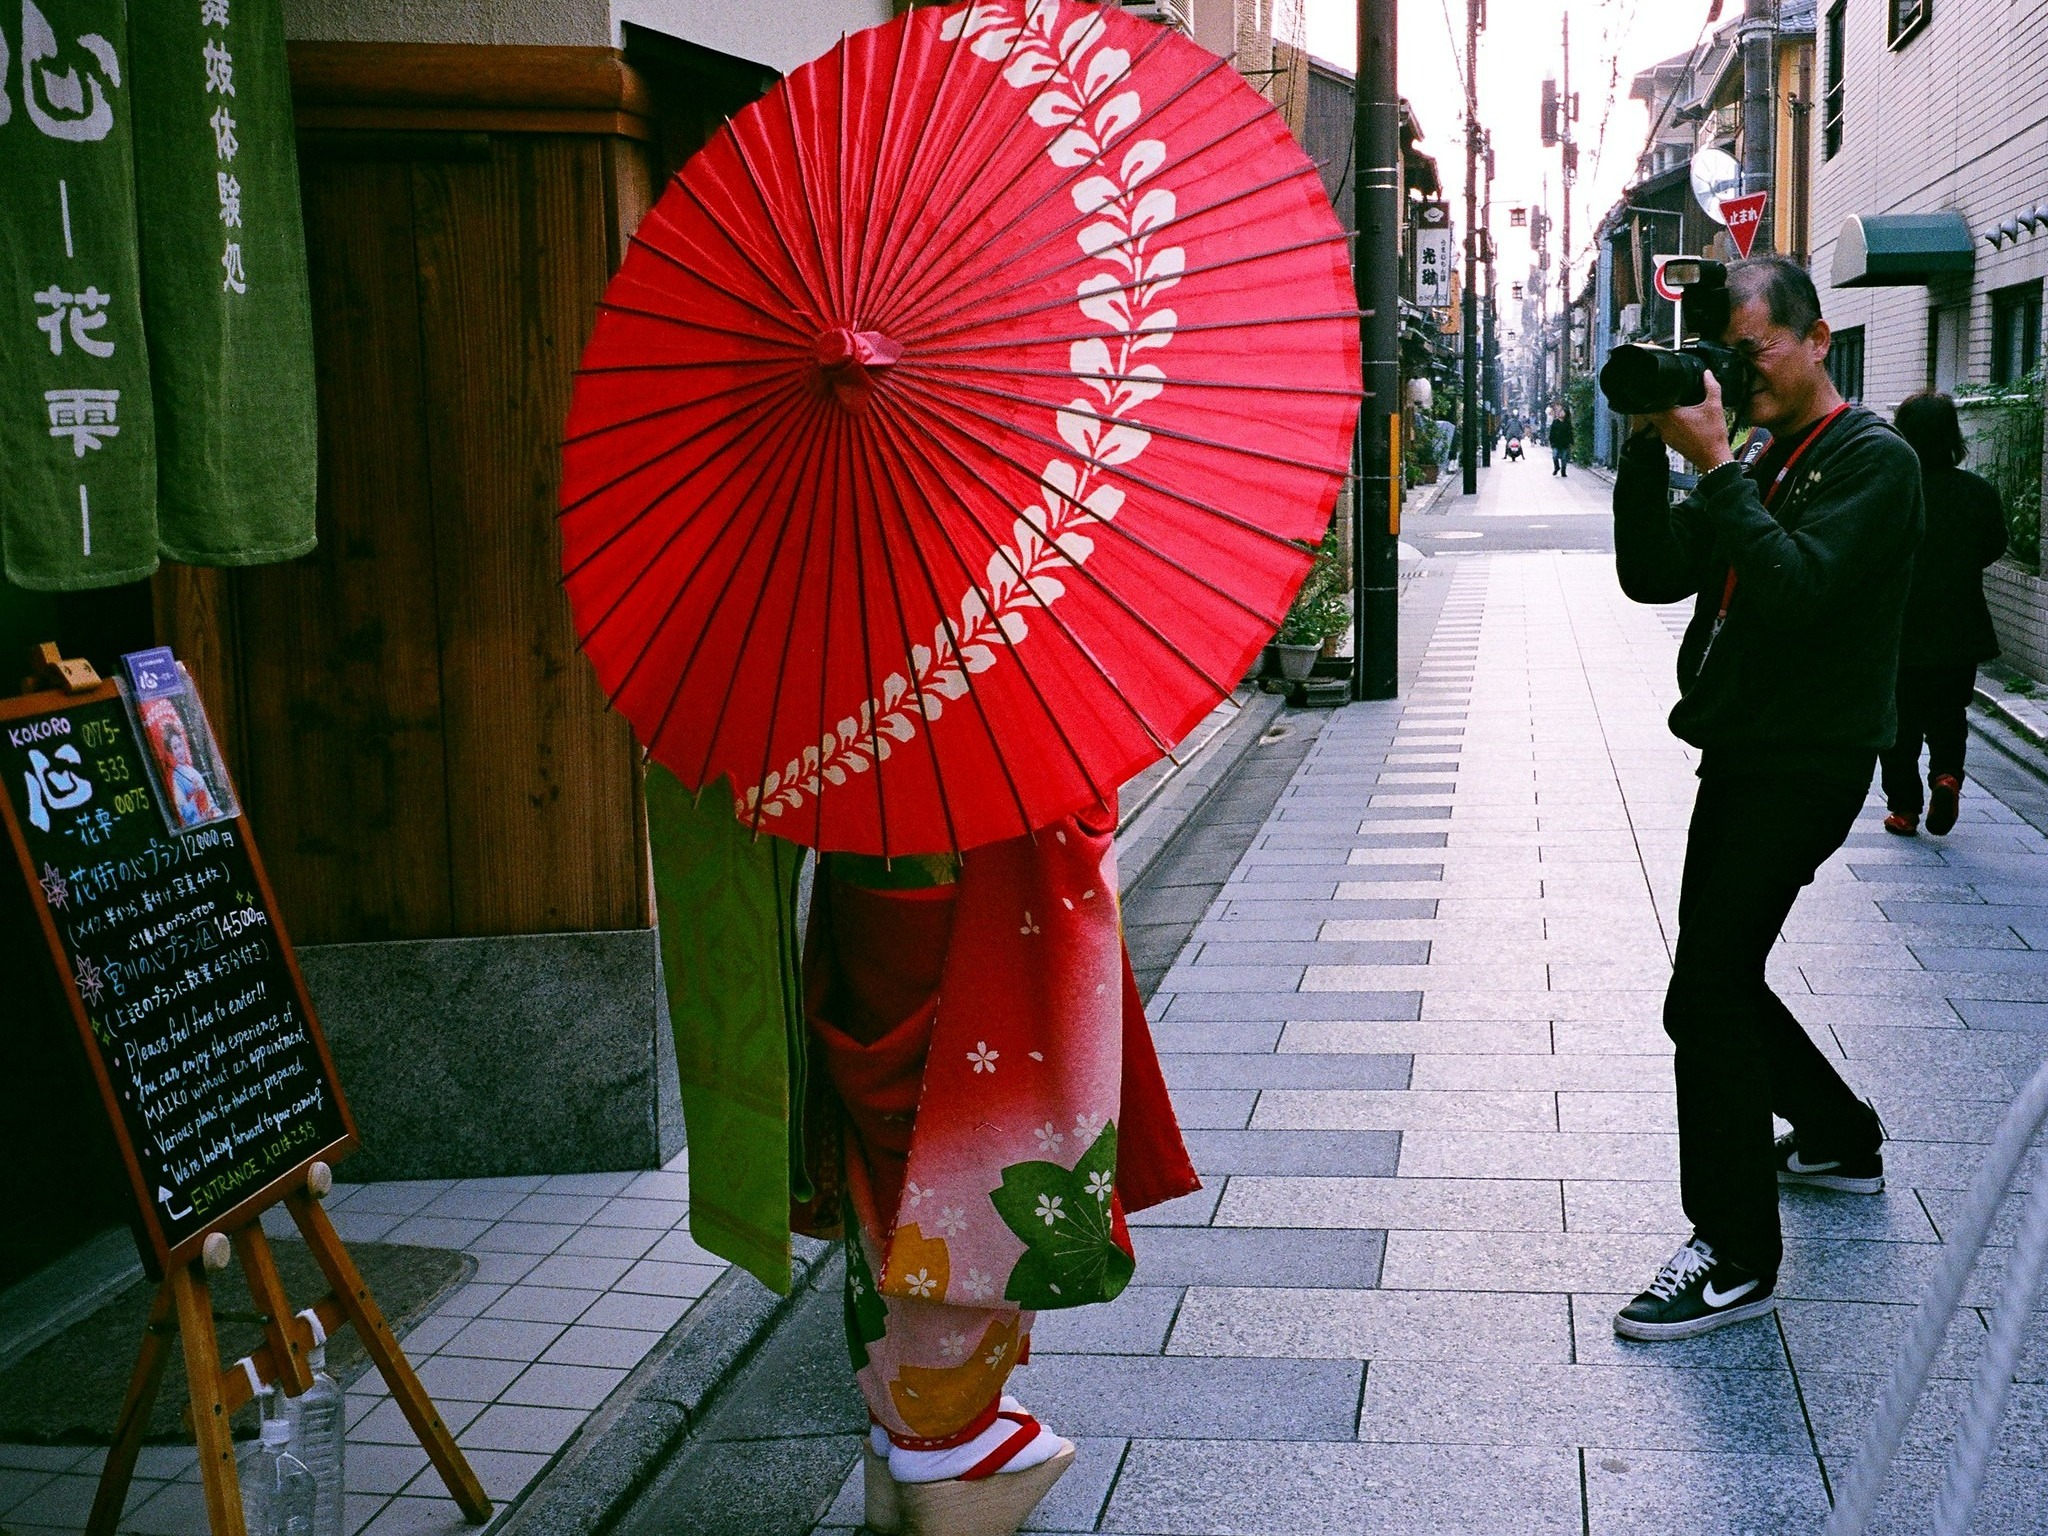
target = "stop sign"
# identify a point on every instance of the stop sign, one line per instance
(1744, 215)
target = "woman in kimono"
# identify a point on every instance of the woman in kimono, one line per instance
(990, 1109)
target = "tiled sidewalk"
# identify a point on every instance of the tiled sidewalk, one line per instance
(578, 1277)
(1417, 1042)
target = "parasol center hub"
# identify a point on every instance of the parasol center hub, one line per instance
(849, 362)
(843, 348)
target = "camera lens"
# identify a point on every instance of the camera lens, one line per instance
(1639, 380)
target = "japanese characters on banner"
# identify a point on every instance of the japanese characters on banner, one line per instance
(224, 281)
(155, 339)
(1433, 256)
(77, 429)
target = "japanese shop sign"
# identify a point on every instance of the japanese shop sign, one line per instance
(1433, 256)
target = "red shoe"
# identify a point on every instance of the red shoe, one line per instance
(1899, 826)
(1942, 798)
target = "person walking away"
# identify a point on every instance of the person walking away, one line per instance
(1561, 442)
(1799, 565)
(1948, 628)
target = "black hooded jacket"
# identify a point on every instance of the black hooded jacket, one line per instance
(1802, 674)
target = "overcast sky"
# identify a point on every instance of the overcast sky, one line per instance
(1611, 41)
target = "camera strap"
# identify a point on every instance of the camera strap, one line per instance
(1770, 498)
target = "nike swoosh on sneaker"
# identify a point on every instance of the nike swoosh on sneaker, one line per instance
(1797, 1164)
(1714, 1298)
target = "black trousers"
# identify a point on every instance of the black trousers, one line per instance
(1934, 703)
(1753, 845)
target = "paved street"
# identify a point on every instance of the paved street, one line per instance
(1415, 1041)
(1519, 507)
(1410, 961)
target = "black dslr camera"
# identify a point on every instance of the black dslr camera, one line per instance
(1641, 379)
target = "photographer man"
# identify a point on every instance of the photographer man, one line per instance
(1799, 564)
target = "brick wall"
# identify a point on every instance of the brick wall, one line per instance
(1956, 119)
(2019, 611)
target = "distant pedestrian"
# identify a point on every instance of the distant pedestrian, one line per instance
(1561, 442)
(1948, 628)
(1798, 566)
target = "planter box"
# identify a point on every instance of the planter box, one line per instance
(2019, 612)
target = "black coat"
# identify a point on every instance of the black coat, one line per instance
(1560, 433)
(1946, 620)
(1807, 664)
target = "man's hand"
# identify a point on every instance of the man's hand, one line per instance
(1700, 432)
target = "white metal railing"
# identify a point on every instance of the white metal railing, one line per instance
(1975, 1438)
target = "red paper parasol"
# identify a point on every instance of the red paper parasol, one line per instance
(947, 439)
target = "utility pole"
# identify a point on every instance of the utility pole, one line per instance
(1469, 455)
(1539, 277)
(1566, 111)
(1376, 266)
(1759, 105)
(1489, 364)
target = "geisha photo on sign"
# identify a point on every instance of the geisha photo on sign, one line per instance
(191, 784)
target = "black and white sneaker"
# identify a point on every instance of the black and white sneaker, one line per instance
(1850, 1175)
(1695, 1293)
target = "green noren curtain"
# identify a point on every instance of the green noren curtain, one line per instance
(154, 317)
(726, 902)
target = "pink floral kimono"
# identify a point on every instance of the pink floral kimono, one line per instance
(999, 1110)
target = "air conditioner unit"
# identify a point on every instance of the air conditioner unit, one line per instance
(1168, 13)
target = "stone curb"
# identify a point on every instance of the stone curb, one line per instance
(2016, 727)
(622, 1447)
(1427, 496)
(1152, 830)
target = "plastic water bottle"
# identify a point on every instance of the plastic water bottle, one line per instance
(277, 1490)
(292, 1497)
(317, 1418)
(256, 1469)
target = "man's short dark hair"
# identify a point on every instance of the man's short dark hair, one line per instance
(1782, 284)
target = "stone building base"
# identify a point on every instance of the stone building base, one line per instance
(526, 1054)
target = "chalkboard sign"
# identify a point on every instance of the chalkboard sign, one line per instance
(169, 950)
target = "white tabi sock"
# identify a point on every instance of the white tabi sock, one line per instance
(955, 1461)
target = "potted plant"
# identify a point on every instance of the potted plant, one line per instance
(1316, 614)
(1298, 644)
(1334, 615)
(1422, 465)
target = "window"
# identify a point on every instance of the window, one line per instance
(1845, 362)
(1906, 18)
(1831, 106)
(2015, 332)
(1948, 340)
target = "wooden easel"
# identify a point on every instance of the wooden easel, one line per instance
(183, 1302)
